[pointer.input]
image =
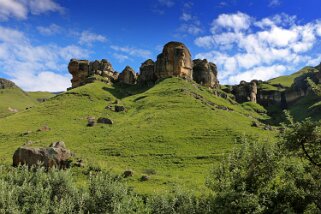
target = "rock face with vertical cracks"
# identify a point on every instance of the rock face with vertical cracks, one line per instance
(147, 74)
(245, 91)
(175, 60)
(128, 76)
(205, 73)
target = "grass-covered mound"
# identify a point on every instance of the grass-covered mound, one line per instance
(14, 99)
(174, 132)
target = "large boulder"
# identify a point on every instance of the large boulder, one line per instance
(147, 73)
(128, 76)
(56, 155)
(175, 60)
(205, 73)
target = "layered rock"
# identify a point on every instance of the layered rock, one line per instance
(175, 60)
(83, 71)
(245, 91)
(128, 76)
(56, 155)
(147, 74)
(205, 73)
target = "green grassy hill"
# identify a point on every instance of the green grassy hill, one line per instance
(288, 80)
(14, 98)
(39, 96)
(175, 131)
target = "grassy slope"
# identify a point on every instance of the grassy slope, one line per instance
(287, 81)
(35, 95)
(14, 98)
(165, 129)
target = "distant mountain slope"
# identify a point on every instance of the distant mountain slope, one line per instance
(12, 98)
(174, 131)
(288, 80)
(41, 96)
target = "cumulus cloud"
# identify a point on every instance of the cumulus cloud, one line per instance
(236, 22)
(88, 38)
(270, 46)
(20, 9)
(36, 67)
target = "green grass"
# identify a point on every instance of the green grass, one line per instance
(250, 106)
(287, 81)
(177, 129)
(14, 98)
(40, 95)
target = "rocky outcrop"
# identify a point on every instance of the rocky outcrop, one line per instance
(175, 60)
(253, 91)
(56, 155)
(4, 84)
(205, 73)
(245, 91)
(83, 71)
(128, 76)
(147, 74)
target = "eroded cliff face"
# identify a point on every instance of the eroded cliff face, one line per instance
(205, 73)
(246, 91)
(128, 76)
(175, 60)
(147, 74)
(83, 71)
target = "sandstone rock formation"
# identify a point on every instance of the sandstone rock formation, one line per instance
(147, 73)
(245, 91)
(253, 91)
(82, 70)
(205, 73)
(128, 76)
(175, 60)
(56, 155)
(4, 84)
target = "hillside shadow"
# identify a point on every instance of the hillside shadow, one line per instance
(121, 90)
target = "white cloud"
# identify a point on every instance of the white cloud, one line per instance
(37, 7)
(274, 3)
(20, 9)
(120, 57)
(186, 16)
(236, 22)
(40, 67)
(135, 52)
(259, 73)
(190, 23)
(243, 44)
(49, 30)
(88, 38)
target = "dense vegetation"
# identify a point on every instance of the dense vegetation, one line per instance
(259, 177)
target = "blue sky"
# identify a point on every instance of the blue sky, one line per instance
(246, 39)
